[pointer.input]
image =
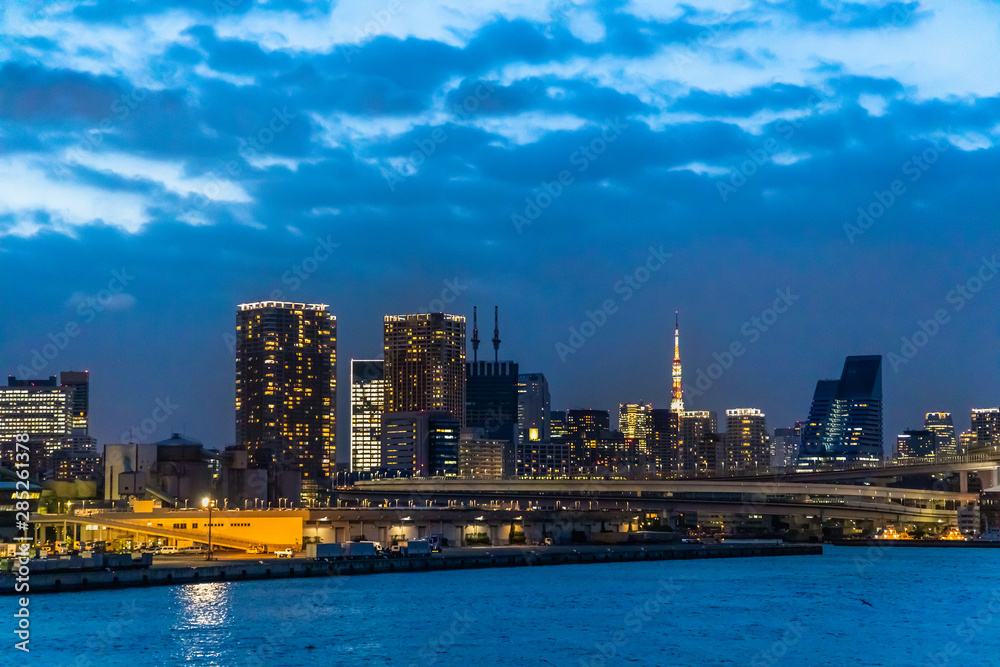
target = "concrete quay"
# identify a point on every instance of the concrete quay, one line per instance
(245, 569)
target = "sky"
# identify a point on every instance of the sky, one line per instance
(802, 180)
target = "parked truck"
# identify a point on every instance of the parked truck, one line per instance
(322, 551)
(412, 549)
(356, 550)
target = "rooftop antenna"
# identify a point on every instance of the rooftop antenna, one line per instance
(475, 337)
(496, 335)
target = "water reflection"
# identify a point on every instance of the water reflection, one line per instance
(203, 620)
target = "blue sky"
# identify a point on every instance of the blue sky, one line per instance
(588, 167)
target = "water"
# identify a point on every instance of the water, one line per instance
(928, 607)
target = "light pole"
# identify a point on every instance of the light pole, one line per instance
(206, 502)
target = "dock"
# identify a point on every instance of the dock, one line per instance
(166, 573)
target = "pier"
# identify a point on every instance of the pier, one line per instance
(245, 569)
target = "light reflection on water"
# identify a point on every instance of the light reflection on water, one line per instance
(765, 611)
(201, 631)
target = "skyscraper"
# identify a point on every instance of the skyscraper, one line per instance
(746, 441)
(79, 383)
(698, 443)
(785, 445)
(40, 408)
(534, 406)
(677, 394)
(941, 425)
(845, 422)
(367, 406)
(286, 389)
(916, 444)
(986, 426)
(585, 430)
(491, 395)
(421, 443)
(664, 433)
(425, 363)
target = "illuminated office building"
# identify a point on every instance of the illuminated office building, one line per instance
(941, 425)
(425, 363)
(966, 442)
(662, 443)
(420, 443)
(844, 429)
(286, 389)
(699, 444)
(585, 429)
(634, 421)
(79, 383)
(367, 406)
(534, 408)
(916, 444)
(558, 426)
(986, 426)
(785, 445)
(40, 408)
(746, 440)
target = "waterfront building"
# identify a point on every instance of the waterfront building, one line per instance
(986, 426)
(491, 398)
(286, 390)
(845, 421)
(420, 443)
(483, 458)
(941, 425)
(662, 444)
(966, 442)
(916, 444)
(585, 428)
(699, 443)
(79, 383)
(543, 460)
(746, 440)
(367, 406)
(558, 425)
(40, 408)
(425, 363)
(785, 445)
(534, 407)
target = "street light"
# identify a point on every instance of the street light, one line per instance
(206, 502)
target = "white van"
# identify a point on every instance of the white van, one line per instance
(166, 551)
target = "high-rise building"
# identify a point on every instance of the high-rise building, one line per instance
(664, 434)
(367, 406)
(966, 442)
(585, 429)
(558, 425)
(286, 389)
(844, 429)
(677, 392)
(79, 383)
(491, 398)
(916, 444)
(534, 407)
(986, 426)
(40, 408)
(543, 460)
(633, 421)
(746, 440)
(425, 363)
(420, 443)
(941, 425)
(698, 444)
(482, 458)
(785, 445)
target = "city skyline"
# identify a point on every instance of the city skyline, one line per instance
(717, 361)
(640, 161)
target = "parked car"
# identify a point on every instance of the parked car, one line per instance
(194, 549)
(257, 549)
(284, 553)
